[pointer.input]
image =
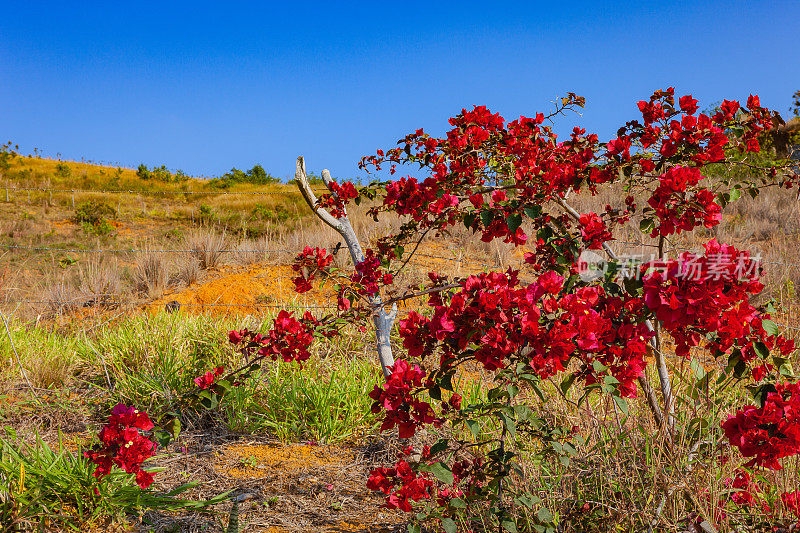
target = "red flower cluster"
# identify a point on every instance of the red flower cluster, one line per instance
(482, 149)
(701, 294)
(123, 445)
(465, 163)
(340, 195)
(396, 399)
(307, 264)
(594, 231)
(288, 339)
(494, 320)
(747, 492)
(370, 275)
(414, 486)
(676, 209)
(206, 381)
(791, 500)
(769, 432)
(700, 139)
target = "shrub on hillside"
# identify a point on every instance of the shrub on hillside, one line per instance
(256, 175)
(63, 170)
(161, 174)
(94, 213)
(6, 155)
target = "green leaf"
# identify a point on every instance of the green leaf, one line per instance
(173, 427)
(442, 472)
(514, 221)
(698, 369)
(533, 211)
(469, 219)
(567, 382)
(458, 503)
(537, 390)
(439, 446)
(449, 525)
(435, 392)
(621, 403)
(523, 412)
(761, 349)
(544, 515)
(509, 526)
(487, 217)
(769, 326)
(446, 382)
(512, 391)
(646, 225)
(509, 423)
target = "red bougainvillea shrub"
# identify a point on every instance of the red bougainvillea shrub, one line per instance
(467, 465)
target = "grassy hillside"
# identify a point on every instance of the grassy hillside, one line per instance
(55, 215)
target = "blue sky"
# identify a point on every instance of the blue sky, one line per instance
(207, 86)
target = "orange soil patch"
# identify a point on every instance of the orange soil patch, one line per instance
(62, 223)
(256, 461)
(241, 291)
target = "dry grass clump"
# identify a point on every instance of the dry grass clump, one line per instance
(151, 275)
(187, 270)
(207, 246)
(99, 284)
(62, 298)
(252, 251)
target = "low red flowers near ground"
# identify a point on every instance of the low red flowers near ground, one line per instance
(206, 381)
(123, 445)
(288, 339)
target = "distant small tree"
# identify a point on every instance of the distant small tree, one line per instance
(256, 175)
(795, 104)
(6, 155)
(161, 174)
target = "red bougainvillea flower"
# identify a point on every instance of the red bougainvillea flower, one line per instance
(396, 400)
(679, 206)
(747, 492)
(770, 432)
(289, 338)
(493, 319)
(370, 274)
(122, 444)
(414, 485)
(206, 381)
(594, 231)
(307, 264)
(791, 500)
(338, 198)
(696, 295)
